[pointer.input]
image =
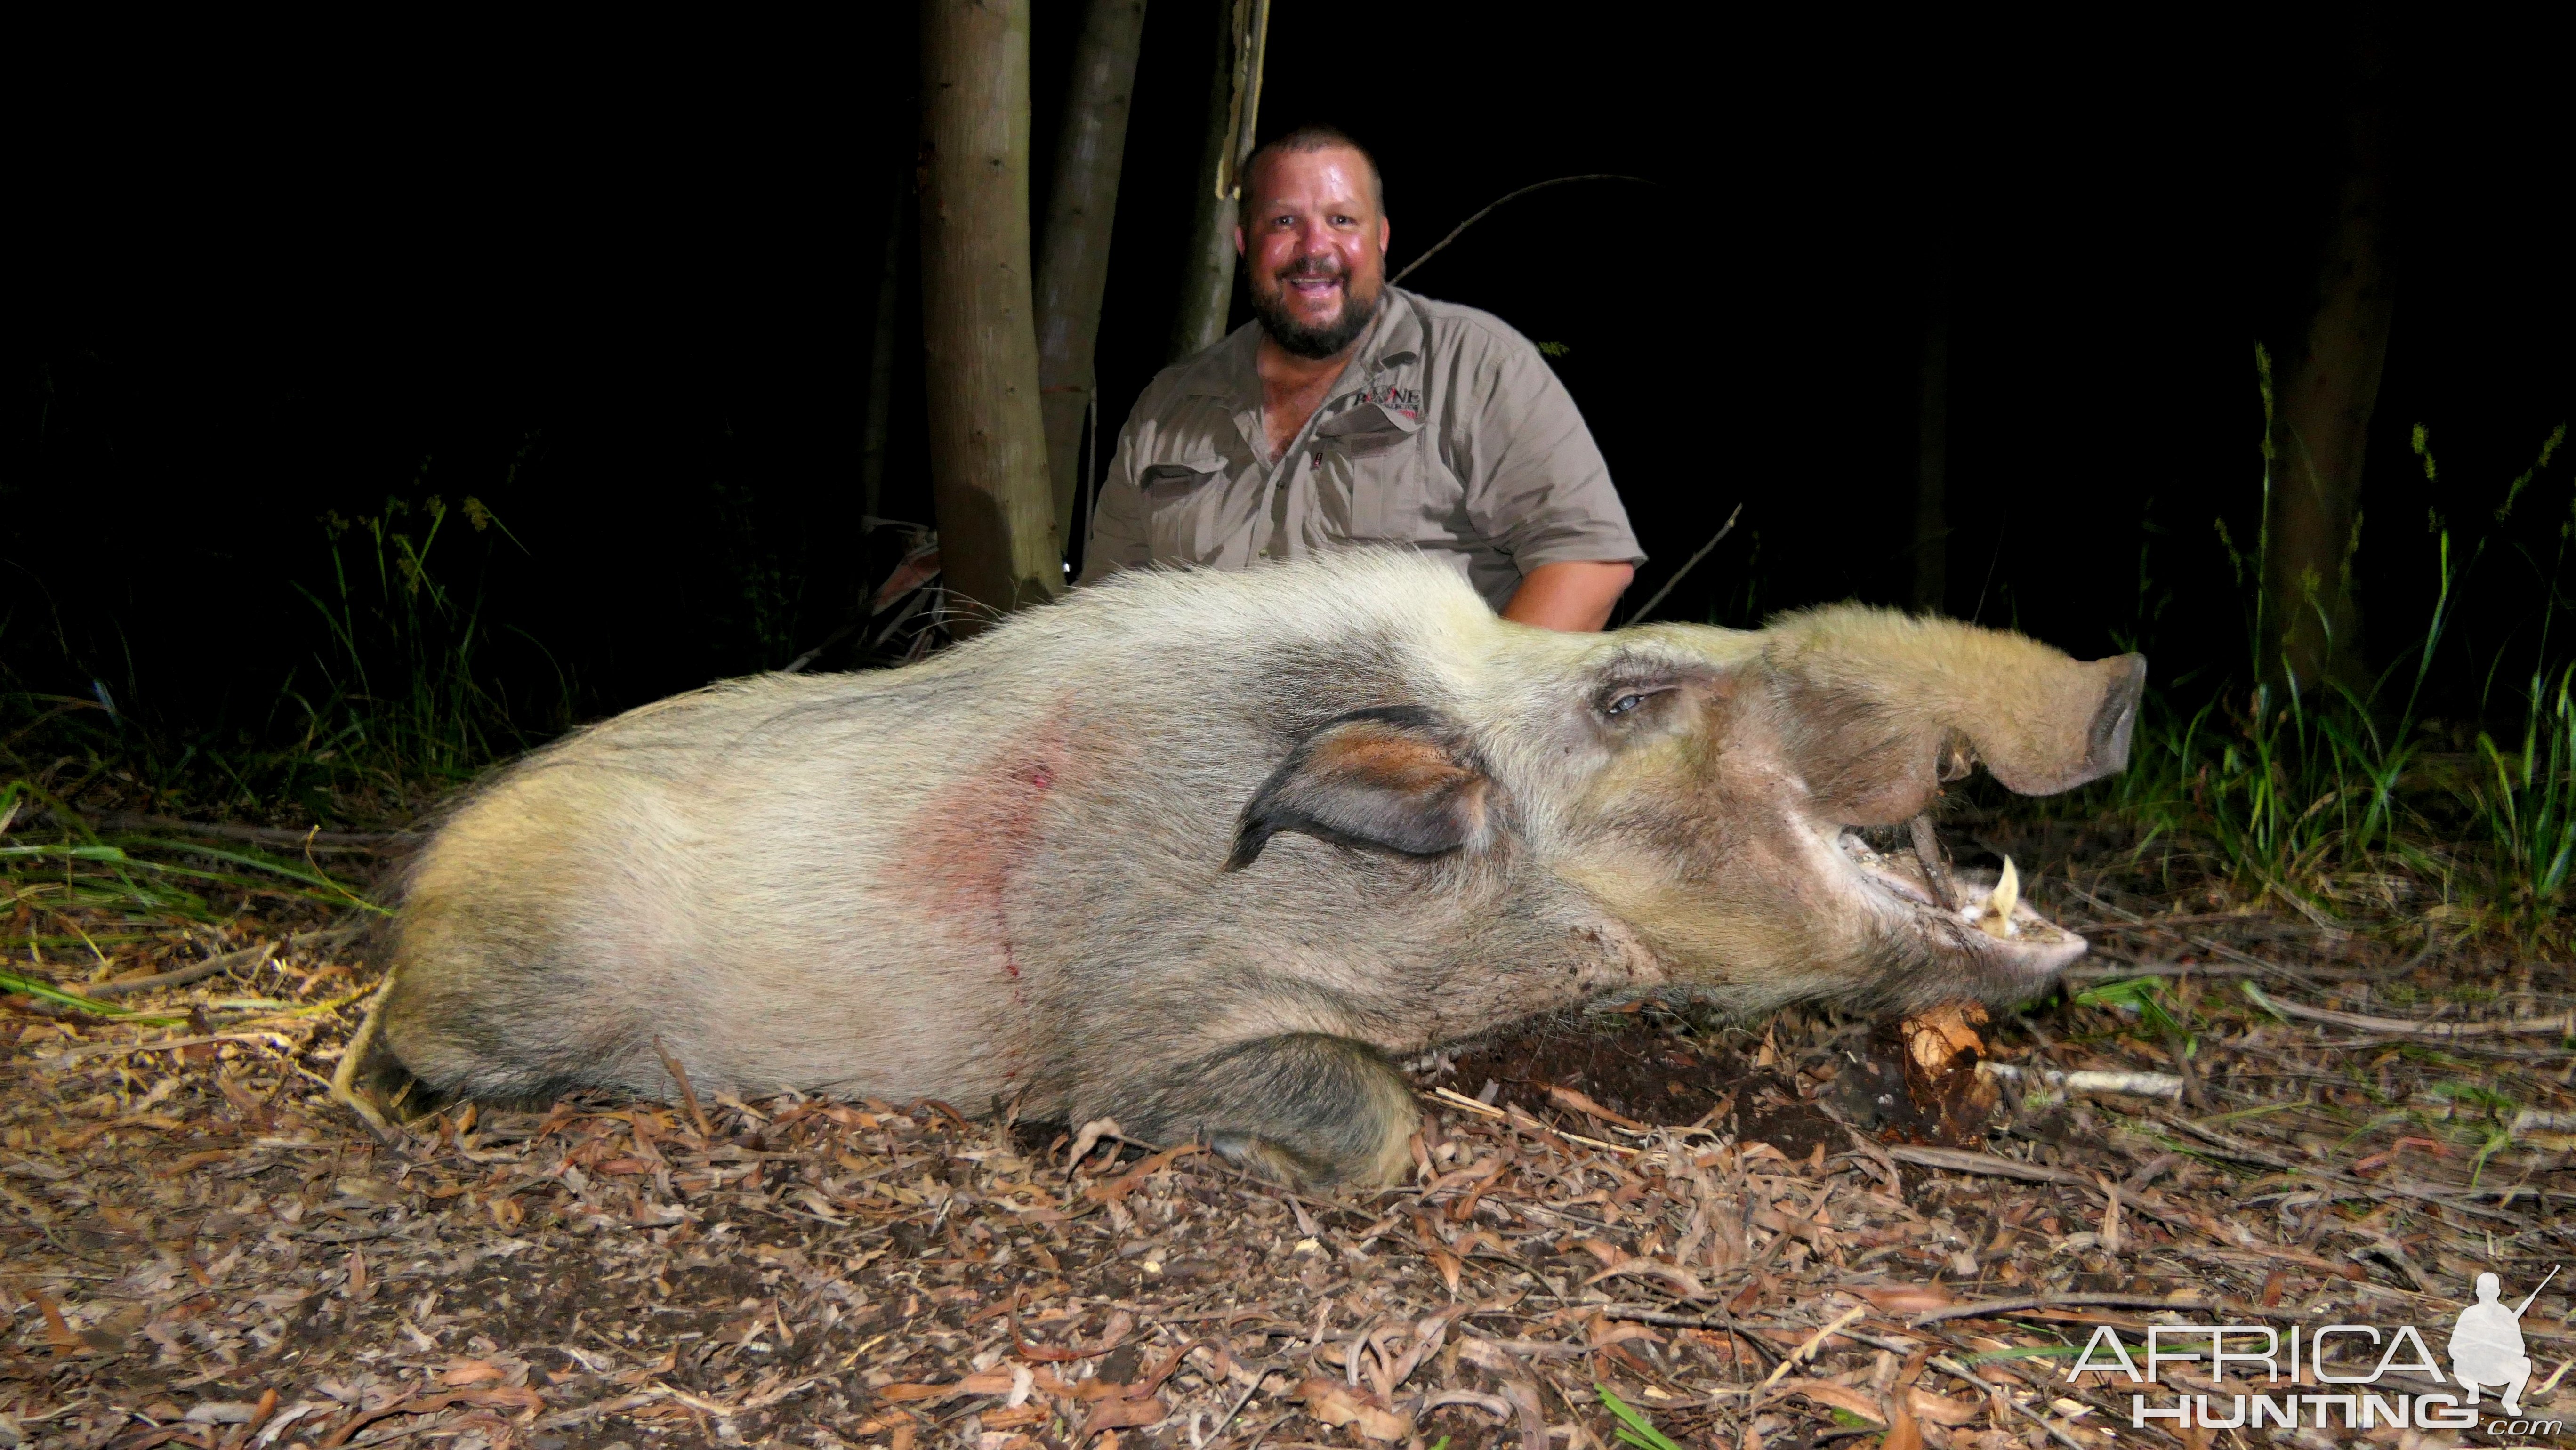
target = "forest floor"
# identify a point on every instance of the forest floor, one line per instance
(1788, 1233)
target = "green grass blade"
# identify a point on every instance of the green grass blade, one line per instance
(1635, 1429)
(47, 992)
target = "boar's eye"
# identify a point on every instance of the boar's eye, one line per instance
(1626, 698)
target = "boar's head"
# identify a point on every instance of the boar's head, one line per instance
(1725, 824)
(1739, 802)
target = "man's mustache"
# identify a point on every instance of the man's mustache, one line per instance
(1312, 267)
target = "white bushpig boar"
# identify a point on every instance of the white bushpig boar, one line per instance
(1200, 851)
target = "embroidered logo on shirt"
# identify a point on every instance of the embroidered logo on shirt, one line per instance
(1407, 401)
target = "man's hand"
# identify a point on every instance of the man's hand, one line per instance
(1573, 596)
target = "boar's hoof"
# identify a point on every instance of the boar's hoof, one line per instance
(1305, 1108)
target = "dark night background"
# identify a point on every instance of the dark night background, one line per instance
(621, 292)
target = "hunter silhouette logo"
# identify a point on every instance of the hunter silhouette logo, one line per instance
(2486, 1345)
(2251, 1376)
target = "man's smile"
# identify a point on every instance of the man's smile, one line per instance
(1308, 282)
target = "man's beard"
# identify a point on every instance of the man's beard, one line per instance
(1296, 338)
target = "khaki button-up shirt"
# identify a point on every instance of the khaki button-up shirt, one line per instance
(1447, 432)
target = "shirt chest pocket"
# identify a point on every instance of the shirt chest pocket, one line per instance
(1372, 477)
(1179, 498)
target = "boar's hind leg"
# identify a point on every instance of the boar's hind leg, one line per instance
(1305, 1107)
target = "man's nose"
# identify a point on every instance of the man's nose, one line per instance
(1314, 240)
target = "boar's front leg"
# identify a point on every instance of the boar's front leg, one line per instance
(1304, 1107)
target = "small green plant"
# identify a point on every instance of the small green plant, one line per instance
(406, 682)
(2139, 996)
(2329, 797)
(1634, 1428)
(82, 892)
(2528, 800)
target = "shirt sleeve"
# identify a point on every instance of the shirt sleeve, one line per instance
(1536, 484)
(1121, 534)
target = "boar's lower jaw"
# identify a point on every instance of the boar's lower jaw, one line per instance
(2001, 947)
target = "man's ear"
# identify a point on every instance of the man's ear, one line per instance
(1399, 778)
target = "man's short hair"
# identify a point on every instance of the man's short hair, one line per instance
(1320, 137)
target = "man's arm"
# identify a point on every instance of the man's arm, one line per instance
(1121, 526)
(1538, 488)
(1569, 595)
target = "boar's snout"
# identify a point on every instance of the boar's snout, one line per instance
(2118, 716)
(1879, 709)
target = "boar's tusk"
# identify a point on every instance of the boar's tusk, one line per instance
(1996, 917)
(1927, 854)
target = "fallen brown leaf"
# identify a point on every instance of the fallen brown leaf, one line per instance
(1941, 1409)
(1680, 1278)
(1120, 1413)
(1336, 1403)
(190, 1162)
(1906, 1298)
(1903, 1433)
(1118, 1188)
(57, 1333)
(1840, 1397)
(1565, 1097)
(904, 1393)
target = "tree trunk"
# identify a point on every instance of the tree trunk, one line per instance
(1073, 258)
(2321, 427)
(998, 548)
(1932, 443)
(1234, 103)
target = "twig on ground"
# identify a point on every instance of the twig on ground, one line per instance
(1814, 1342)
(2132, 1084)
(2270, 969)
(2247, 1153)
(251, 957)
(688, 1094)
(1961, 1160)
(1487, 1110)
(2564, 1024)
(1988, 1308)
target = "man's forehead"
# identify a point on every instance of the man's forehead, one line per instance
(1335, 172)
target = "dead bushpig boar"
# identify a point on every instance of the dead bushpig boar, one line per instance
(1200, 851)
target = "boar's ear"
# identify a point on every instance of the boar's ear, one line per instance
(1398, 778)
